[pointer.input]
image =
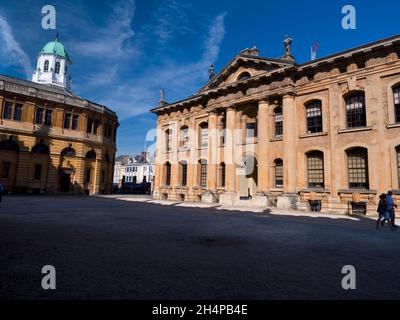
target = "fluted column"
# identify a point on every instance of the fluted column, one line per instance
(263, 147)
(212, 151)
(289, 144)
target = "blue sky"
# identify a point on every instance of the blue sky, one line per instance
(124, 51)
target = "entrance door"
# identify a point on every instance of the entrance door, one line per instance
(65, 181)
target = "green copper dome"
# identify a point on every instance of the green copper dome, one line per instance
(57, 48)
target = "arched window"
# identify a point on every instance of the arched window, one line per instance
(222, 174)
(168, 140)
(167, 173)
(57, 68)
(41, 148)
(279, 173)
(68, 152)
(314, 116)
(46, 66)
(203, 137)
(183, 173)
(357, 164)
(315, 166)
(184, 138)
(398, 164)
(355, 110)
(278, 122)
(396, 95)
(91, 155)
(203, 173)
(243, 76)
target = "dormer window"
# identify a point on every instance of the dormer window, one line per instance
(46, 66)
(244, 76)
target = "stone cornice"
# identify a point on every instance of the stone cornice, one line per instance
(17, 87)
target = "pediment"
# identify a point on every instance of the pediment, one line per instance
(243, 67)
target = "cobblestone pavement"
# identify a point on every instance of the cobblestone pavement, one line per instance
(105, 248)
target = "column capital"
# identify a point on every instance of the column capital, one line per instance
(288, 95)
(231, 108)
(213, 112)
(263, 101)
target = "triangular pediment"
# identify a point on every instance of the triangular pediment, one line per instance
(242, 67)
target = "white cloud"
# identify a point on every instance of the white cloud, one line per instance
(11, 52)
(138, 95)
(114, 39)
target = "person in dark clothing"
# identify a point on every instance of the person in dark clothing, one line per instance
(391, 208)
(383, 211)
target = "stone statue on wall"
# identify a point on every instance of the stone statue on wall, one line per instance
(287, 42)
(211, 71)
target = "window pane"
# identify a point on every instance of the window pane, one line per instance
(358, 169)
(314, 117)
(355, 110)
(278, 122)
(57, 68)
(48, 115)
(39, 116)
(89, 125)
(167, 174)
(184, 174)
(279, 173)
(204, 137)
(18, 112)
(7, 114)
(222, 175)
(315, 170)
(75, 118)
(67, 120)
(203, 175)
(251, 130)
(46, 66)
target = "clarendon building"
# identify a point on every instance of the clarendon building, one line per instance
(51, 140)
(322, 135)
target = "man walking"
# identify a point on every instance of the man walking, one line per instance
(391, 208)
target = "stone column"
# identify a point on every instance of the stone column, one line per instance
(191, 174)
(263, 154)
(209, 197)
(230, 196)
(289, 198)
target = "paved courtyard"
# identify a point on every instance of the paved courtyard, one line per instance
(107, 248)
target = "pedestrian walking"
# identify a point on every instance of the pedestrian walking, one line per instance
(391, 208)
(382, 211)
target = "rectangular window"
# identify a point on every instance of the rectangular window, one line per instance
(95, 127)
(203, 175)
(75, 119)
(279, 174)
(279, 125)
(355, 111)
(184, 175)
(67, 120)
(358, 170)
(315, 171)
(38, 172)
(39, 115)
(18, 112)
(251, 130)
(47, 118)
(185, 139)
(314, 117)
(5, 169)
(167, 174)
(7, 113)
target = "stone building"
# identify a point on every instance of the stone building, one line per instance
(322, 135)
(50, 139)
